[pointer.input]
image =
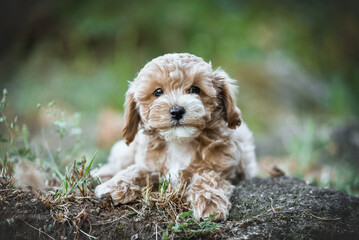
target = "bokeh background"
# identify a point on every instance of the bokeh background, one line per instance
(296, 63)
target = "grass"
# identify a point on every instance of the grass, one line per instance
(187, 226)
(15, 144)
(77, 178)
(17, 147)
(171, 203)
(312, 158)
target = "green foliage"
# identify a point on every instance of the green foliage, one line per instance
(17, 147)
(306, 150)
(105, 43)
(10, 221)
(187, 226)
(307, 146)
(48, 228)
(76, 178)
(67, 128)
(164, 182)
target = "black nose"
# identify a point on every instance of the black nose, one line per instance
(177, 112)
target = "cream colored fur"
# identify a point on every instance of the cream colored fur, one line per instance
(209, 146)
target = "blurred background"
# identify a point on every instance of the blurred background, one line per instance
(66, 66)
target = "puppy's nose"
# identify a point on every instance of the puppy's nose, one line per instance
(177, 112)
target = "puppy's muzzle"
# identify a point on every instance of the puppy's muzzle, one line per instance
(177, 113)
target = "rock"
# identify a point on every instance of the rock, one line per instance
(262, 208)
(287, 208)
(346, 143)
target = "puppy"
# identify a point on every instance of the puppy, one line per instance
(181, 120)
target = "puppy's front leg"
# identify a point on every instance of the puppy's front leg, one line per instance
(124, 187)
(209, 194)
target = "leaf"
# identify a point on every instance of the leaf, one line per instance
(203, 224)
(211, 216)
(165, 235)
(214, 226)
(10, 221)
(25, 131)
(186, 214)
(190, 220)
(72, 188)
(89, 166)
(176, 229)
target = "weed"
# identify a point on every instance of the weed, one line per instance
(67, 128)
(307, 150)
(307, 146)
(170, 200)
(76, 178)
(10, 221)
(47, 228)
(15, 145)
(187, 226)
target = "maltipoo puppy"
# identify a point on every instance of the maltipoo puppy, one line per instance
(181, 120)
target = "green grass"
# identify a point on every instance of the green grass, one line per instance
(77, 178)
(309, 150)
(187, 226)
(57, 159)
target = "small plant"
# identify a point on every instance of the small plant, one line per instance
(15, 145)
(67, 128)
(164, 183)
(187, 226)
(10, 221)
(77, 178)
(170, 200)
(48, 228)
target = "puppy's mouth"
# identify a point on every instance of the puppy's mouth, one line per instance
(177, 123)
(179, 133)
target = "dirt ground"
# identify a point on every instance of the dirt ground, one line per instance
(28, 214)
(262, 208)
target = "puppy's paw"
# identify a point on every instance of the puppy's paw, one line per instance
(209, 194)
(204, 207)
(122, 192)
(102, 189)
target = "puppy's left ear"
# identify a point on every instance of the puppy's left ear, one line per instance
(132, 118)
(225, 86)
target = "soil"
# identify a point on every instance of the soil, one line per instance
(278, 208)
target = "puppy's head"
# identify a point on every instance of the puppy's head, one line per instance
(178, 95)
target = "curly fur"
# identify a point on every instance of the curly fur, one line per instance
(209, 146)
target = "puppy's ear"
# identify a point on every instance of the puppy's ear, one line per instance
(132, 118)
(226, 87)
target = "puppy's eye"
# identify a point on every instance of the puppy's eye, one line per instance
(158, 92)
(194, 90)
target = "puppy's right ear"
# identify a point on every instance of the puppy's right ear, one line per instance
(232, 114)
(132, 118)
